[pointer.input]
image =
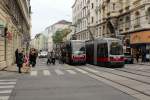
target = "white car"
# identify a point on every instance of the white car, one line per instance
(43, 54)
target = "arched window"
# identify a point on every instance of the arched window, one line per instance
(137, 19)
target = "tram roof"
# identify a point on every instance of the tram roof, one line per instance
(77, 40)
(103, 39)
(107, 39)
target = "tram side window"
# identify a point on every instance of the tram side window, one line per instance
(102, 50)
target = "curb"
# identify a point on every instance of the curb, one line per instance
(144, 64)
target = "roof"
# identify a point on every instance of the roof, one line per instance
(63, 22)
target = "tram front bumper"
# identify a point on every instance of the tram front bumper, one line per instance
(117, 64)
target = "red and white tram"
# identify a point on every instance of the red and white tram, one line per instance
(105, 52)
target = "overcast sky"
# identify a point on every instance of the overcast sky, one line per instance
(47, 12)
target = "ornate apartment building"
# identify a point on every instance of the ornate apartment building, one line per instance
(14, 29)
(125, 19)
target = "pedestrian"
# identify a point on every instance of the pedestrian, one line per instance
(32, 57)
(49, 58)
(137, 56)
(144, 56)
(63, 55)
(20, 59)
(16, 55)
(53, 57)
(60, 57)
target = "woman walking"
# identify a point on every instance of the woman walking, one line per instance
(20, 60)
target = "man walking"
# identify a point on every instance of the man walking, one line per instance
(20, 60)
(32, 57)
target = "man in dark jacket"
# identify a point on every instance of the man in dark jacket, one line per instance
(16, 55)
(20, 60)
(32, 57)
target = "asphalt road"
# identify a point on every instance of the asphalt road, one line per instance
(57, 82)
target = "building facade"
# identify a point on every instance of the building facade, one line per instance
(14, 29)
(38, 42)
(63, 24)
(128, 20)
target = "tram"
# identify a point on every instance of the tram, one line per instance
(75, 52)
(105, 52)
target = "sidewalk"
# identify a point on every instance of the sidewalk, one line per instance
(11, 69)
(143, 63)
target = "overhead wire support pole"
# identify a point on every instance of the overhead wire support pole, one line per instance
(91, 34)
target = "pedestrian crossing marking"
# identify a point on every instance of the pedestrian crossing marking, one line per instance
(4, 97)
(82, 71)
(7, 80)
(92, 70)
(71, 71)
(46, 72)
(7, 83)
(33, 73)
(5, 91)
(6, 87)
(59, 72)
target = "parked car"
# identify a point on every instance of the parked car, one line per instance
(128, 58)
(43, 54)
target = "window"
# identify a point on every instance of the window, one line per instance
(127, 22)
(121, 4)
(102, 50)
(121, 24)
(92, 5)
(148, 15)
(116, 48)
(114, 6)
(137, 19)
(92, 19)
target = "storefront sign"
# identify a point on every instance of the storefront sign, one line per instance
(140, 37)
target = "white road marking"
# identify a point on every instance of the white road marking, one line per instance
(5, 91)
(4, 97)
(33, 73)
(7, 83)
(46, 72)
(8, 80)
(59, 72)
(82, 71)
(91, 70)
(6, 87)
(71, 72)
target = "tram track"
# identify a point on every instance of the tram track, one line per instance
(107, 76)
(126, 74)
(136, 72)
(140, 70)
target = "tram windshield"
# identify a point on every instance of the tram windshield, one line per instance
(78, 48)
(116, 48)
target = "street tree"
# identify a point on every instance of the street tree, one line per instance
(60, 34)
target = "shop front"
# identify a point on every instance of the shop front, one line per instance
(140, 43)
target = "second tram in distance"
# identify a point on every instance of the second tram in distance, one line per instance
(105, 52)
(75, 52)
